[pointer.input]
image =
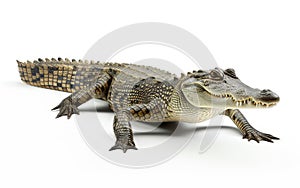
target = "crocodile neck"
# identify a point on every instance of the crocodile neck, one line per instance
(180, 109)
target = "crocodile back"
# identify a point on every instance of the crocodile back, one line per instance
(72, 75)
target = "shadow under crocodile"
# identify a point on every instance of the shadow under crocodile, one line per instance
(168, 128)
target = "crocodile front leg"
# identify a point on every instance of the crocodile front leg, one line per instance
(97, 89)
(137, 112)
(246, 129)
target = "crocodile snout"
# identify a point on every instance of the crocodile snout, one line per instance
(268, 96)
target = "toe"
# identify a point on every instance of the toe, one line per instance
(115, 147)
(56, 107)
(271, 136)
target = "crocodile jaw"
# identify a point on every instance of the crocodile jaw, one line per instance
(248, 102)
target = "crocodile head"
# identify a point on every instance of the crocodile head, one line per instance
(219, 88)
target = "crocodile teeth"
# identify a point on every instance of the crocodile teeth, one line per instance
(245, 101)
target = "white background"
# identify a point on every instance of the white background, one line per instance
(260, 39)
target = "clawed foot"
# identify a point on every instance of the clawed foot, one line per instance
(258, 136)
(123, 145)
(66, 108)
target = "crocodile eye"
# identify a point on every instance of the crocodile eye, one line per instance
(216, 75)
(230, 72)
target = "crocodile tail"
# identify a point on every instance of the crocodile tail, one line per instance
(51, 74)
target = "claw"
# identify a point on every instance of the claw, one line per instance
(61, 112)
(265, 138)
(271, 136)
(114, 148)
(56, 107)
(59, 115)
(268, 140)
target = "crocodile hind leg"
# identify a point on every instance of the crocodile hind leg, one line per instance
(246, 129)
(97, 89)
(137, 112)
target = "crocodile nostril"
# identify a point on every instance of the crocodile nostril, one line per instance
(266, 92)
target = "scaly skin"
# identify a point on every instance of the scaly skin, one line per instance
(144, 93)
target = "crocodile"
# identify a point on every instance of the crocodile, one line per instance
(148, 94)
